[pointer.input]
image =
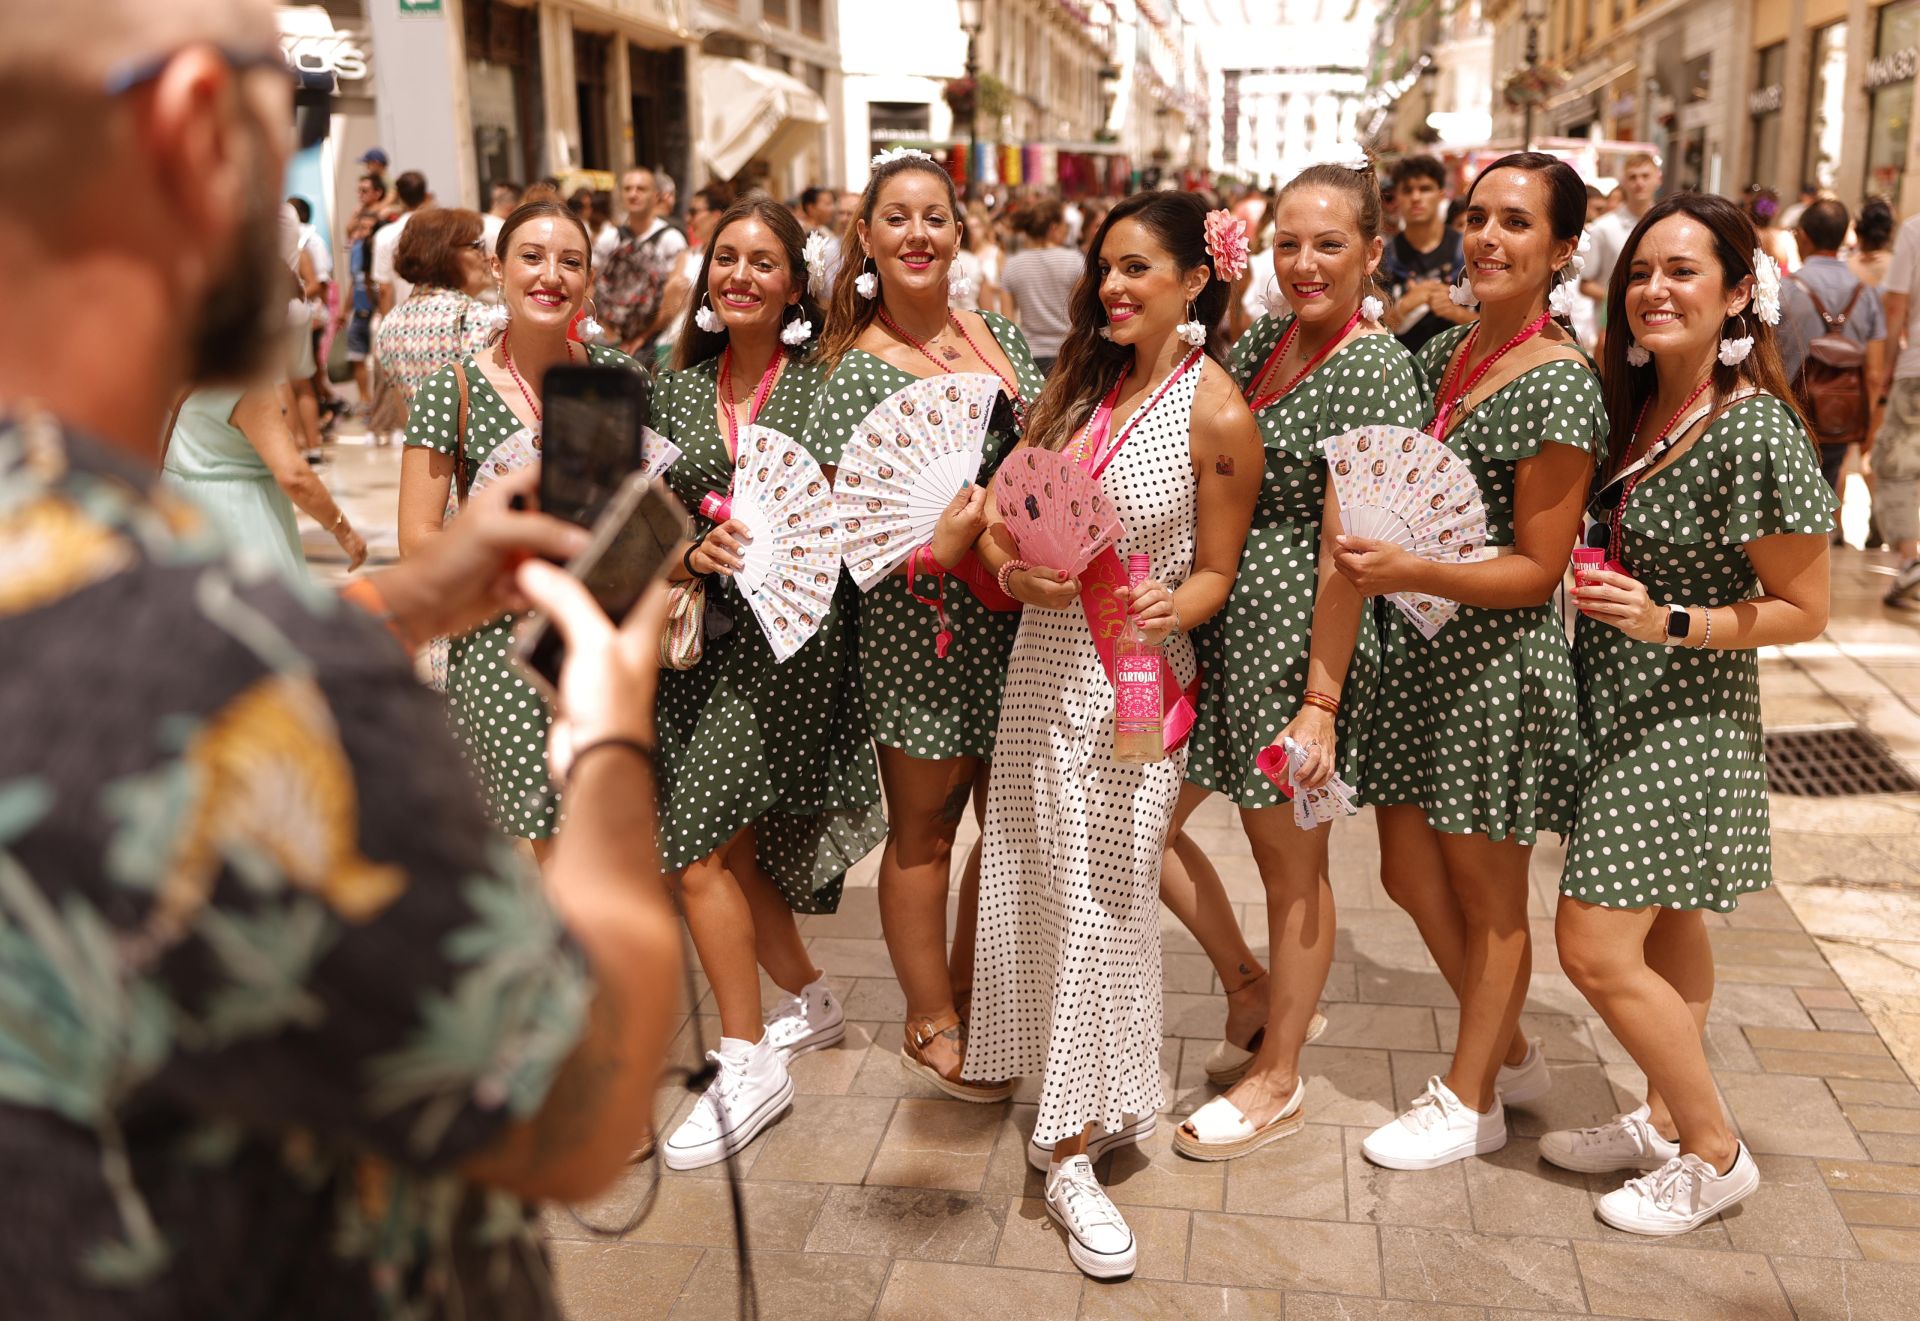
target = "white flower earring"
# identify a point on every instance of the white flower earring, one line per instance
(1564, 298)
(706, 318)
(959, 287)
(1273, 301)
(1462, 294)
(1637, 356)
(1106, 333)
(1372, 309)
(590, 327)
(494, 321)
(796, 332)
(867, 283)
(1191, 330)
(1734, 351)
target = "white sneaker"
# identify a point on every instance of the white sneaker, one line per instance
(1904, 583)
(807, 1021)
(1625, 1142)
(1526, 1081)
(1680, 1195)
(1040, 1154)
(1436, 1130)
(1098, 1239)
(751, 1090)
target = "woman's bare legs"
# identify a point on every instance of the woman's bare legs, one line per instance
(1193, 891)
(966, 922)
(777, 944)
(925, 800)
(1489, 881)
(1678, 949)
(721, 922)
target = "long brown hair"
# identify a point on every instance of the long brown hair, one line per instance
(1627, 388)
(848, 314)
(697, 345)
(1089, 365)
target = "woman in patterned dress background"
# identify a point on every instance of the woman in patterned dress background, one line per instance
(932, 716)
(1721, 519)
(541, 261)
(767, 787)
(1321, 371)
(1069, 950)
(443, 254)
(1475, 743)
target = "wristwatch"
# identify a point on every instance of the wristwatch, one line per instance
(1679, 624)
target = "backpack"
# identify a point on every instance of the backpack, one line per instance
(627, 294)
(1832, 385)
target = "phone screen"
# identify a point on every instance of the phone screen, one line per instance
(629, 550)
(592, 419)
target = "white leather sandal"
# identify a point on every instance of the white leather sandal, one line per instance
(1218, 1131)
(1227, 1063)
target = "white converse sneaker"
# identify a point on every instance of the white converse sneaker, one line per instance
(1098, 1239)
(1680, 1195)
(1133, 1132)
(1526, 1081)
(1625, 1142)
(751, 1090)
(807, 1021)
(1436, 1130)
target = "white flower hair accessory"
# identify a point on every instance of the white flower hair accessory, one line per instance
(1462, 293)
(892, 154)
(1564, 298)
(1766, 291)
(1372, 309)
(814, 254)
(796, 332)
(1350, 155)
(1637, 356)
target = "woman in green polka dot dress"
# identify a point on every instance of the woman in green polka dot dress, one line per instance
(1716, 508)
(1475, 742)
(542, 259)
(933, 717)
(767, 787)
(1290, 625)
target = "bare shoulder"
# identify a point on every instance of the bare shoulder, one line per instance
(1220, 414)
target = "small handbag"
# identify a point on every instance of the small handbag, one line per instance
(684, 641)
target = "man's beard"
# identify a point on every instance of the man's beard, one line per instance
(242, 323)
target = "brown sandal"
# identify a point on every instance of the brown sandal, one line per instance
(919, 1035)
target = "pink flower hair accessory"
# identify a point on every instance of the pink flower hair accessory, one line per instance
(1227, 243)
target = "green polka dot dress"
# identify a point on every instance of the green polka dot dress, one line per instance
(1478, 726)
(1253, 653)
(1673, 801)
(500, 718)
(917, 702)
(745, 741)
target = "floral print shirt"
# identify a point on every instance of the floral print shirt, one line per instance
(266, 975)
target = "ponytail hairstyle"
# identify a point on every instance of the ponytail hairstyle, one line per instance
(1627, 388)
(848, 314)
(1566, 212)
(1088, 365)
(697, 345)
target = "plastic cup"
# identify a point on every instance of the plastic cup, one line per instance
(1585, 560)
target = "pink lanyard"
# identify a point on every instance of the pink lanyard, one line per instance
(1093, 457)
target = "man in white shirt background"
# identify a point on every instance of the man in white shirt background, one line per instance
(1896, 448)
(411, 188)
(630, 281)
(1639, 185)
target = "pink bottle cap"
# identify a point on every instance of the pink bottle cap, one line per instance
(1139, 569)
(715, 506)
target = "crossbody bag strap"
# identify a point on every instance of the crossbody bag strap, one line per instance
(460, 435)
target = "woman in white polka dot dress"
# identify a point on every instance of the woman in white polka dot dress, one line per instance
(932, 714)
(1475, 740)
(767, 787)
(1714, 505)
(542, 258)
(1068, 964)
(1325, 369)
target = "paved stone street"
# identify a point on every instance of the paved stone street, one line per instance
(878, 1197)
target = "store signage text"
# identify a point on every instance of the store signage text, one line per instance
(1764, 100)
(1893, 67)
(344, 53)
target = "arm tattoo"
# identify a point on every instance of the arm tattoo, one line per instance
(1223, 465)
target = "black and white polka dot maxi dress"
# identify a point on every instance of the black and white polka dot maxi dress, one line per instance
(1067, 968)
(1673, 797)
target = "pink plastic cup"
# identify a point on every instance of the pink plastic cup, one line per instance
(716, 507)
(1585, 560)
(1272, 763)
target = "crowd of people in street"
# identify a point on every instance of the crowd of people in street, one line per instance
(302, 971)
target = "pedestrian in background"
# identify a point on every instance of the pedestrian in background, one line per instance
(1896, 447)
(630, 284)
(1425, 259)
(1038, 280)
(442, 258)
(1873, 241)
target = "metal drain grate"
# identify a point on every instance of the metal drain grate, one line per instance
(1833, 761)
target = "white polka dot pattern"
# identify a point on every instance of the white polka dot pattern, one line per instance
(1673, 799)
(1067, 971)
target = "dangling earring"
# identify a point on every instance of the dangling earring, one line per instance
(1191, 330)
(867, 283)
(1734, 351)
(590, 327)
(494, 321)
(1462, 294)
(706, 318)
(795, 333)
(1637, 356)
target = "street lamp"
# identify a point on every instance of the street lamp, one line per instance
(1535, 13)
(972, 15)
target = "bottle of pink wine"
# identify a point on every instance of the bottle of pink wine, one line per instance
(1137, 736)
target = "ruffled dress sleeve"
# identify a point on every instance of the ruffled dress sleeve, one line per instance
(435, 412)
(1770, 474)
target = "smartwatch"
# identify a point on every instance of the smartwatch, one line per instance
(1679, 624)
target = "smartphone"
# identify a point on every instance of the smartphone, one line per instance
(633, 543)
(592, 419)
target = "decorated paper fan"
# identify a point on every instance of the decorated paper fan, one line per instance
(904, 464)
(657, 453)
(787, 572)
(1403, 486)
(1055, 510)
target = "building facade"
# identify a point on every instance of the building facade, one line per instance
(769, 87)
(1288, 94)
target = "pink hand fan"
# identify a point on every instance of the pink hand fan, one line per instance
(1055, 509)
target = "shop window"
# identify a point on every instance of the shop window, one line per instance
(776, 13)
(813, 17)
(1826, 108)
(661, 138)
(591, 51)
(1890, 91)
(1763, 104)
(503, 82)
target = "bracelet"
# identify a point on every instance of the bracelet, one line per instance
(339, 522)
(1323, 701)
(1706, 613)
(686, 560)
(923, 560)
(1176, 613)
(366, 594)
(1006, 573)
(644, 751)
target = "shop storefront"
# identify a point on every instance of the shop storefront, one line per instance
(1889, 85)
(1826, 106)
(503, 91)
(1764, 107)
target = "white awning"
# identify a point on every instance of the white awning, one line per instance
(745, 105)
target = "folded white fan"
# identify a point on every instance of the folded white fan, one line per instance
(657, 453)
(903, 465)
(1403, 486)
(1316, 807)
(788, 571)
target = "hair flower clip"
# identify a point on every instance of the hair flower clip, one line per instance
(1766, 287)
(892, 154)
(1226, 244)
(815, 256)
(1563, 299)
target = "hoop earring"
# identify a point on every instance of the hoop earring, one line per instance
(590, 327)
(1191, 330)
(1734, 351)
(706, 318)
(867, 283)
(795, 333)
